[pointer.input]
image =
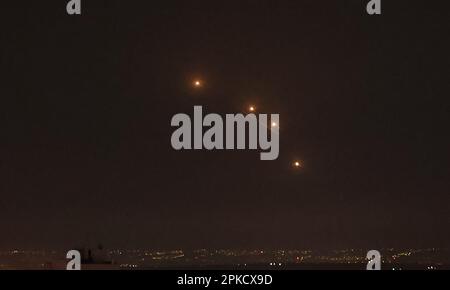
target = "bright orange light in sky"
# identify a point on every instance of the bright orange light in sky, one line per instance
(197, 84)
(251, 109)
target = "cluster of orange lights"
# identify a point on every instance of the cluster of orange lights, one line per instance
(252, 109)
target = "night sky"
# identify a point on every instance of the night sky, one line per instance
(86, 104)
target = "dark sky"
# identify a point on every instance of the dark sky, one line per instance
(86, 103)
